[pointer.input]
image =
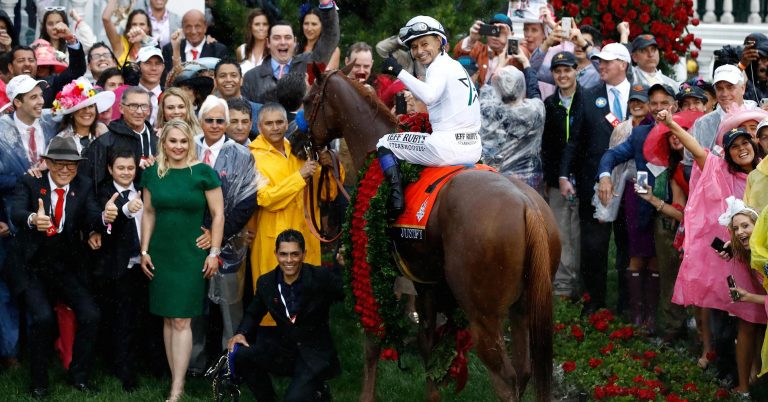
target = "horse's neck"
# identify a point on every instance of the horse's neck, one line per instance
(363, 126)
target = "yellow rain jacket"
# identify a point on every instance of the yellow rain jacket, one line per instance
(758, 246)
(281, 207)
(756, 193)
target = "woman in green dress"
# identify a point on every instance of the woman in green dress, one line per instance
(177, 190)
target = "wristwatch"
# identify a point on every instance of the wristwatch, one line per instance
(144, 252)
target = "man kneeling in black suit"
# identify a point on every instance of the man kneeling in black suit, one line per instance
(298, 296)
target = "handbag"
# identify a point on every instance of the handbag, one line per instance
(225, 386)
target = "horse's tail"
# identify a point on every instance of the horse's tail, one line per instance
(539, 301)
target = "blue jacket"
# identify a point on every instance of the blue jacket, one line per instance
(632, 148)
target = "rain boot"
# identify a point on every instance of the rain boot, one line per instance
(635, 291)
(651, 302)
(391, 170)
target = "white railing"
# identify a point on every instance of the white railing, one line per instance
(726, 17)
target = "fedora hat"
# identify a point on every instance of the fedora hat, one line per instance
(63, 149)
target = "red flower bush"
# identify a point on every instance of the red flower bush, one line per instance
(666, 19)
(569, 366)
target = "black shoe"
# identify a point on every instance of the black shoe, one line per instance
(84, 387)
(39, 392)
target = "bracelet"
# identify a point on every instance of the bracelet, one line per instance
(214, 252)
(661, 206)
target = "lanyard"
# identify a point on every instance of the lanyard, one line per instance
(287, 313)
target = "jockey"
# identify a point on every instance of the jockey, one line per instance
(451, 98)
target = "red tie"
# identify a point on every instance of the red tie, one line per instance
(207, 157)
(59, 210)
(32, 146)
(194, 54)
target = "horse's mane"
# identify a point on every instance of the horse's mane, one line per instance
(372, 98)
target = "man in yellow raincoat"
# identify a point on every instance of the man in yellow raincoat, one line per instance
(281, 199)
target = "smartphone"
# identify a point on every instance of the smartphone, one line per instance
(642, 181)
(489, 30)
(719, 245)
(565, 23)
(513, 46)
(735, 296)
(749, 43)
(401, 107)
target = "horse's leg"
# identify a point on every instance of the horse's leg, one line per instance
(486, 332)
(371, 351)
(520, 346)
(425, 304)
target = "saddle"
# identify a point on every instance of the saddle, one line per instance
(420, 197)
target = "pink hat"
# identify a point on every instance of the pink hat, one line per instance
(46, 55)
(736, 117)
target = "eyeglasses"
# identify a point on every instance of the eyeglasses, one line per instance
(135, 107)
(415, 29)
(54, 8)
(209, 120)
(64, 165)
(100, 56)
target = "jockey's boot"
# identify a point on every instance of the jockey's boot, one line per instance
(391, 170)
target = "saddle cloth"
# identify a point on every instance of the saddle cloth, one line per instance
(420, 197)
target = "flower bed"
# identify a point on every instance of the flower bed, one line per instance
(606, 359)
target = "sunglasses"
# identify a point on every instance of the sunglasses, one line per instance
(210, 120)
(415, 29)
(53, 8)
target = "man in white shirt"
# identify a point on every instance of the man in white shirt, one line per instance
(194, 43)
(645, 54)
(163, 21)
(151, 67)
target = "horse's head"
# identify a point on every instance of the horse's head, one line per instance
(321, 114)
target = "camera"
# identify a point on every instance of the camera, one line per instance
(489, 30)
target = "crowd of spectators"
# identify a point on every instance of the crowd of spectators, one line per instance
(147, 183)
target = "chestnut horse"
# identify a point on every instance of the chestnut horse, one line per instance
(492, 246)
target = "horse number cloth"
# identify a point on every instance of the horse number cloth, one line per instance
(420, 197)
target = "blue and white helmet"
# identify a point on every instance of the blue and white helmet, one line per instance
(419, 26)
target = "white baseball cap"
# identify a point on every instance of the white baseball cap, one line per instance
(21, 84)
(614, 51)
(730, 73)
(147, 52)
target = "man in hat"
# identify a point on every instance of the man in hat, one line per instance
(645, 55)
(604, 107)
(754, 62)
(487, 55)
(563, 116)
(24, 61)
(730, 86)
(151, 67)
(53, 213)
(193, 43)
(259, 83)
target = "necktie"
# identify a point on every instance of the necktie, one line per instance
(207, 157)
(194, 54)
(84, 142)
(281, 71)
(32, 145)
(133, 244)
(616, 108)
(145, 150)
(59, 210)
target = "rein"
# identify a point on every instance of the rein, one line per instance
(312, 151)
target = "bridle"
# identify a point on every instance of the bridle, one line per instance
(313, 151)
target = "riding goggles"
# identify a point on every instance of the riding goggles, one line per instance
(413, 31)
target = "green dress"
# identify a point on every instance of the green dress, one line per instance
(178, 287)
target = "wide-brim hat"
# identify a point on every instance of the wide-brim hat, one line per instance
(103, 101)
(656, 146)
(63, 149)
(736, 120)
(46, 55)
(80, 93)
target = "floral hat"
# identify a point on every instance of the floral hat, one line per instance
(81, 93)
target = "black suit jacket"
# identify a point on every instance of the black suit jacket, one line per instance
(260, 85)
(588, 144)
(34, 251)
(56, 82)
(209, 50)
(113, 256)
(310, 334)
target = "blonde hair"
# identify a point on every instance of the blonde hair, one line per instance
(739, 252)
(190, 117)
(162, 158)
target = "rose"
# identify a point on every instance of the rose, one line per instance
(569, 366)
(577, 332)
(594, 363)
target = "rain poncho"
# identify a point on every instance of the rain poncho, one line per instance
(619, 176)
(758, 246)
(512, 132)
(239, 178)
(756, 193)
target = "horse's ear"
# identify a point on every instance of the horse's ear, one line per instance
(348, 68)
(318, 72)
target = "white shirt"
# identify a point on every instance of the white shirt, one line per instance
(24, 133)
(215, 149)
(188, 50)
(161, 29)
(623, 89)
(136, 217)
(156, 91)
(449, 94)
